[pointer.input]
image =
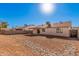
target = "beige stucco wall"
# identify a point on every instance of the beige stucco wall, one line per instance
(34, 31)
(52, 31)
(78, 32)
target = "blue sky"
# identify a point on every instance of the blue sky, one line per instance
(29, 13)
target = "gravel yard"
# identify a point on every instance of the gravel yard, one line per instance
(21, 45)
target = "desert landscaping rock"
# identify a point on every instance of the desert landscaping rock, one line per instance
(37, 46)
(69, 49)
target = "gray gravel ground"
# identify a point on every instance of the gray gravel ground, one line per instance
(69, 49)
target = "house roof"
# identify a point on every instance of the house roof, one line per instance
(61, 24)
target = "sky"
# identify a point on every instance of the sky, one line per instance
(18, 14)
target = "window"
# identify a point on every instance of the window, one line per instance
(59, 30)
(43, 30)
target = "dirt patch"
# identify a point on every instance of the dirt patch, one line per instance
(21, 45)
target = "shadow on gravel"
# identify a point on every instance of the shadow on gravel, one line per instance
(52, 36)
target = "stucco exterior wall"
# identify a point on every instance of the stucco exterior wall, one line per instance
(78, 33)
(35, 31)
(52, 31)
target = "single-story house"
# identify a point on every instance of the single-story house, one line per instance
(64, 29)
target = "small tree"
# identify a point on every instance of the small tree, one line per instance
(4, 25)
(48, 24)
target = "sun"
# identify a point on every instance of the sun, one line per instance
(47, 8)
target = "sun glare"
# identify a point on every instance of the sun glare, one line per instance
(47, 8)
